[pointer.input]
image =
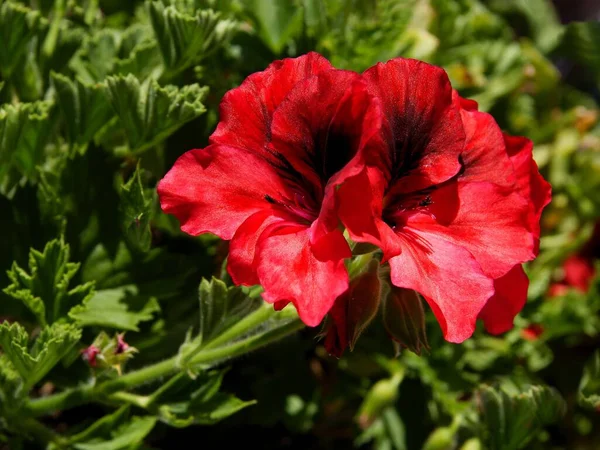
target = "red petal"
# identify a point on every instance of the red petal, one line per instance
(301, 128)
(242, 248)
(530, 183)
(510, 297)
(310, 276)
(490, 222)
(216, 189)
(325, 130)
(447, 276)
(246, 112)
(360, 205)
(427, 131)
(484, 156)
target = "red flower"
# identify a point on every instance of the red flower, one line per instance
(453, 203)
(288, 137)
(532, 332)
(578, 269)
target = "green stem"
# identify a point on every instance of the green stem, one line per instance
(245, 345)
(249, 322)
(206, 357)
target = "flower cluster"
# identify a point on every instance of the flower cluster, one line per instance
(393, 156)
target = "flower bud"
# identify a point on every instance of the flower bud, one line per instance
(381, 395)
(108, 353)
(353, 311)
(404, 318)
(440, 439)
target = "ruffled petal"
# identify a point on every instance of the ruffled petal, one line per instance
(425, 124)
(324, 132)
(489, 222)
(530, 184)
(447, 276)
(310, 276)
(215, 189)
(484, 157)
(246, 112)
(508, 300)
(360, 201)
(241, 263)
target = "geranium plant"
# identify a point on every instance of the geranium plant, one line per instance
(313, 224)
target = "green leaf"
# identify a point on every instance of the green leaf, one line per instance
(53, 343)
(18, 24)
(404, 318)
(184, 39)
(11, 387)
(85, 108)
(102, 427)
(122, 308)
(581, 42)
(45, 289)
(96, 58)
(543, 21)
(589, 387)
(510, 416)
(128, 435)
(111, 52)
(24, 131)
(136, 212)
(278, 22)
(181, 403)
(149, 113)
(221, 307)
(218, 408)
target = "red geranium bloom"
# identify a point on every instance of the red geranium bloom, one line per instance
(268, 179)
(453, 203)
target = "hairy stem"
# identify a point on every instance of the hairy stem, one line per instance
(205, 358)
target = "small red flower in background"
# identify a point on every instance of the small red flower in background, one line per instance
(532, 332)
(287, 138)
(453, 203)
(578, 269)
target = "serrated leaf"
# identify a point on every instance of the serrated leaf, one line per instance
(148, 112)
(53, 343)
(511, 417)
(144, 61)
(128, 435)
(111, 52)
(221, 307)
(11, 387)
(96, 58)
(184, 39)
(404, 318)
(85, 108)
(18, 24)
(24, 131)
(121, 308)
(45, 289)
(136, 212)
(589, 387)
(27, 78)
(278, 22)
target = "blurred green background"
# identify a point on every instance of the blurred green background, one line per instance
(73, 128)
